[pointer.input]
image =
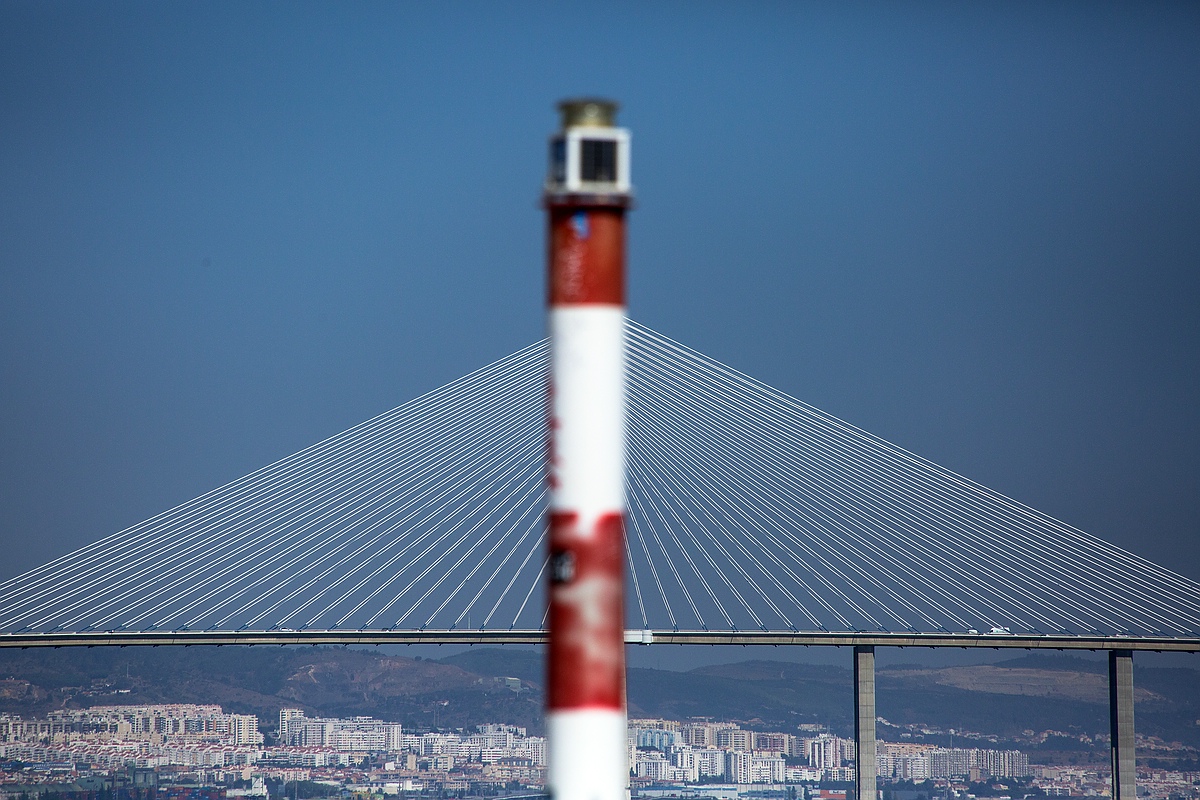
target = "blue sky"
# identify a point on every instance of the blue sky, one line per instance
(230, 230)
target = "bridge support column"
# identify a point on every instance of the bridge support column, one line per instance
(865, 770)
(1120, 720)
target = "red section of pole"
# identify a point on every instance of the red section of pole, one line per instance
(587, 630)
(587, 255)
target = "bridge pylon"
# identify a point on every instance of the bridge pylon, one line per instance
(1120, 716)
(865, 763)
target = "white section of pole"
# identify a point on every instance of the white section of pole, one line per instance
(588, 756)
(588, 375)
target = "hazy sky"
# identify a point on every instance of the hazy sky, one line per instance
(228, 230)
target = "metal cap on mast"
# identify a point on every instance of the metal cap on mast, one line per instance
(588, 112)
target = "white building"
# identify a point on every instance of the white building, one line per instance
(533, 748)
(684, 759)
(652, 765)
(737, 766)
(710, 763)
(355, 735)
(767, 768)
(735, 739)
(754, 767)
(826, 751)
(801, 774)
(156, 724)
(440, 744)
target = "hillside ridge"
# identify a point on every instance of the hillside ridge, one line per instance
(1029, 693)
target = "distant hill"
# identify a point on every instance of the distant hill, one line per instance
(512, 662)
(1034, 692)
(1042, 691)
(261, 680)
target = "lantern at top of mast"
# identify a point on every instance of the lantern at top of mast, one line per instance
(589, 156)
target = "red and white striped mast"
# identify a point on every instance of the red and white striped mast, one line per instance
(586, 196)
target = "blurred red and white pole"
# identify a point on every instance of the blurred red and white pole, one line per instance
(587, 194)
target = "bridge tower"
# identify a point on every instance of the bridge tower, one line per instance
(587, 193)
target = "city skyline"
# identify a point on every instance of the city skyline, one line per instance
(363, 752)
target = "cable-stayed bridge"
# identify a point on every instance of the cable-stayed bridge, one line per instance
(752, 518)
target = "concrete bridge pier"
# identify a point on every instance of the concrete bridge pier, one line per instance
(1120, 720)
(865, 769)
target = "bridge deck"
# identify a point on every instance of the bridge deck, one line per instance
(643, 637)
